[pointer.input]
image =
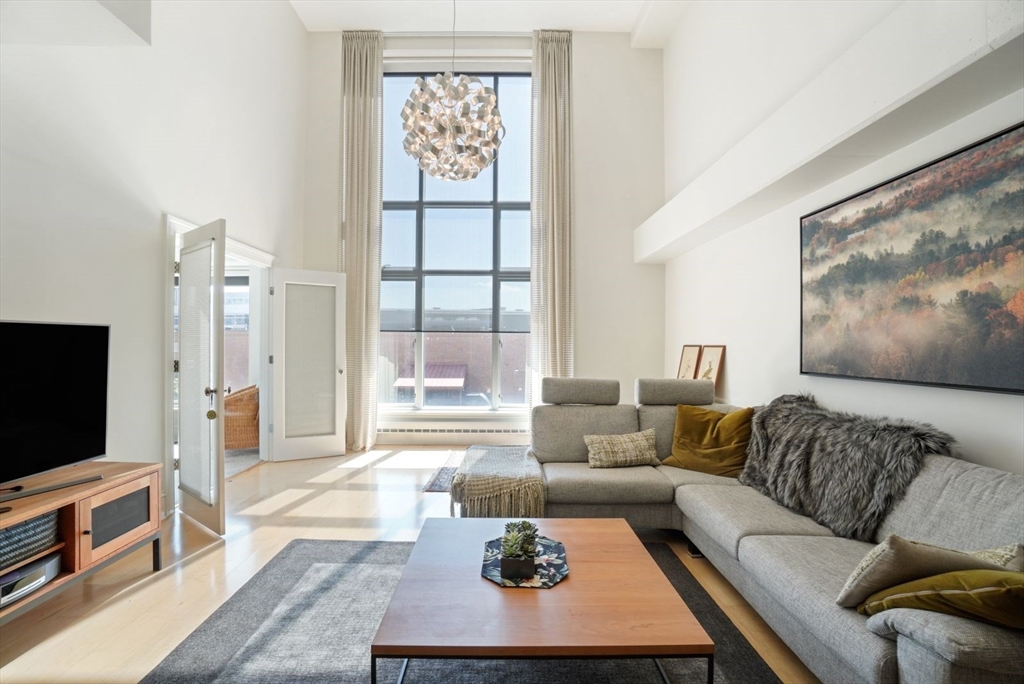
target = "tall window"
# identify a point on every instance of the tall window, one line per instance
(455, 276)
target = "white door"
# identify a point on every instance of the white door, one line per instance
(309, 364)
(201, 374)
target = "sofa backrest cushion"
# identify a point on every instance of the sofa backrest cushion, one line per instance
(959, 505)
(558, 431)
(672, 392)
(579, 391)
(663, 420)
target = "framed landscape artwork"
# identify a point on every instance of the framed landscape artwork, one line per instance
(710, 365)
(688, 362)
(921, 279)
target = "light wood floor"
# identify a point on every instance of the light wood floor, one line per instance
(118, 624)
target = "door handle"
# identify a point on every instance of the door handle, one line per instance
(209, 390)
(341, 371)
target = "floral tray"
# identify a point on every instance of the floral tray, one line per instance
(550, 563)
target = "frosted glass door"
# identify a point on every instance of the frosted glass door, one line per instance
(309, 357)
(201, 375)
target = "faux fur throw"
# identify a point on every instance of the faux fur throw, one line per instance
(842, 470)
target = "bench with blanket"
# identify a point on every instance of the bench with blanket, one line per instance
(789, 567)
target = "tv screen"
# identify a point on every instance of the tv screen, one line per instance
(53, 388)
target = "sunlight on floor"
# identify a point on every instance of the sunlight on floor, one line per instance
(277, 502)
(415, 460)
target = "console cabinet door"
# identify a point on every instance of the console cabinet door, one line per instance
(116, 518)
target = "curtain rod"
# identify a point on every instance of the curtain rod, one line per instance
(458, 34)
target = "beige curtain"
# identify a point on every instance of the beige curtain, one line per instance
(552, 316)
(359, 228)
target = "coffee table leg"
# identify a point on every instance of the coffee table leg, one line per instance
(401, 673)
(373, 669)
(661, 671)
(711, 669)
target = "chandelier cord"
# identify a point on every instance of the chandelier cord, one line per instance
(453, 36)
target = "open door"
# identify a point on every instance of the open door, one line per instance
(309, 364)
(201, 374)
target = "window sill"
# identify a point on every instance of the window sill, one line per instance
(454, 417)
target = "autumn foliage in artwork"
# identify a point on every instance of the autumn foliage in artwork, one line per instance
(922, 279)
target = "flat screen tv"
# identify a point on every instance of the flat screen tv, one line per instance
(53, 389)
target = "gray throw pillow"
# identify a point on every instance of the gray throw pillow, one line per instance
(619, 451)
(897, 560)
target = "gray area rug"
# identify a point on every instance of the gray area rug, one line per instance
(441, 480)
(310, 614)
(237, 461)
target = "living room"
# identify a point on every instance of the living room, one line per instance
(700, 136)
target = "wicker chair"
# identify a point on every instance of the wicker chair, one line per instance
(242, 419)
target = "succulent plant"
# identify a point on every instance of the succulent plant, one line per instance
(520, 540)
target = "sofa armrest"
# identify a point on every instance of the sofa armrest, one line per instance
(959, 641)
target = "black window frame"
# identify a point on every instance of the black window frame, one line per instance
(417, 273)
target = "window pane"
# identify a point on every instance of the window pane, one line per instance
(398, 305)
(458, 239)
(515, 356)
(514, 153)
(398, 239)
(480, 189)
(457, 303)
(515, 306)
(457, 369)
(401, 174)
(515, 240)
(236, 336)
(397, 365)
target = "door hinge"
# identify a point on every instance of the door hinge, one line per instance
(175, 365)
(177, 267)
(271, 358)
(177, 464)
(270, 428)
(271, 289)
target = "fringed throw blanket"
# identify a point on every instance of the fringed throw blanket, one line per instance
(499, 482)
(842, 470)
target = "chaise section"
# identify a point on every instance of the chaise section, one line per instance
(578, 483)
(728, 514)
(804, 575)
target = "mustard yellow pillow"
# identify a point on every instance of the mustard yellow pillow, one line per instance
(710, 441)
(992, 596)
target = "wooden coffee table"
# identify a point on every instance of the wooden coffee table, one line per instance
(615, 603)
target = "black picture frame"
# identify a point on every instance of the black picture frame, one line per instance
(973, 194)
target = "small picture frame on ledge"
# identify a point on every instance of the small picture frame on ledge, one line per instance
(712, 356)
(688, 362)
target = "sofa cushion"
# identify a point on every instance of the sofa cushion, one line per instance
(663, 420)
(710, 441)
(960, 506)
(558, 430)
(579, 391)
(579, 483)
(680, 476)
(992, 596)
(672, 392)
(898, 560)
(620, 451)
(728, 514)
(804, 574)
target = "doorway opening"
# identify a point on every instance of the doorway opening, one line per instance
(245, 343)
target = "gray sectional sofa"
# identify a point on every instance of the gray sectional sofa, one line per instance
(789, 568)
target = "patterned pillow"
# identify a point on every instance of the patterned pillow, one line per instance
(897, 560)
(619, 451)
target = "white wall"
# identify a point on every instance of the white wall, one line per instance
(97, 142)
(729, 65)
(323, 152)
(618, 165)
(743, 290)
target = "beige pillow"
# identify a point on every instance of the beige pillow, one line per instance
(619, 451)
(898, 560)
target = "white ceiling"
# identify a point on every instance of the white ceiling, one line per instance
(477, 16)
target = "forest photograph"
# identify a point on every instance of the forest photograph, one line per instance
(921, 279)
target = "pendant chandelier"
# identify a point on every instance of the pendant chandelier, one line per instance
(452, 124)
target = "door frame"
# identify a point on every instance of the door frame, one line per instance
(174, 227)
